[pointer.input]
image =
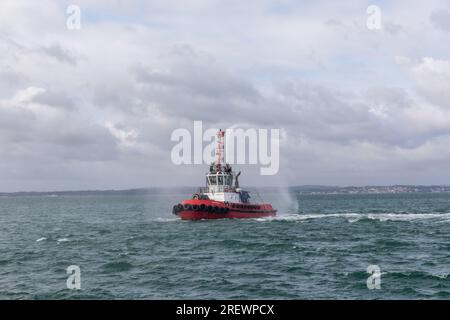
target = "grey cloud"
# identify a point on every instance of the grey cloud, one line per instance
(392, 27)
(199, 80)
(440, 18)
(63, 136)
(56, 51)
(10, 78)
(15, 125)
(57, 99)
(120, 95)
(84, 143)
(379, 116)
(431, 77)
(199, 91)
(334, 23)
(164, 75)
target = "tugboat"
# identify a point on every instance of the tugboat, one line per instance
(222, 197)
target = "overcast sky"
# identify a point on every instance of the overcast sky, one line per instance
(94, 108)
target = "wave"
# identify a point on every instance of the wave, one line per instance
(354, 217)
(160, 219)
(117, 266)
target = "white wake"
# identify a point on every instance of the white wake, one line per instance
(353, 217)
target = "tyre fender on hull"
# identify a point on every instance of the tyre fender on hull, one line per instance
(222, 210)
(177, 208)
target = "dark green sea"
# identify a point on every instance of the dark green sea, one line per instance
(318, 247)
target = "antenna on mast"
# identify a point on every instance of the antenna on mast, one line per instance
(220, 150)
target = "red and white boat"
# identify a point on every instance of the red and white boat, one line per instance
(222, 197)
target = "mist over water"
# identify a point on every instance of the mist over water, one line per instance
(319, 246)
(289, 203)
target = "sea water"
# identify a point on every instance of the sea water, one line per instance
(132, 247)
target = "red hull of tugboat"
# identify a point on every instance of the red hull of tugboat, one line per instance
(195, 209)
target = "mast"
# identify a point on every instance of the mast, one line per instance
(220, 150)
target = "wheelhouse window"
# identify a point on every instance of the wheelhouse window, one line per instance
(219, 179)
(212, 180)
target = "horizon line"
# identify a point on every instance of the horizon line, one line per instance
(249, 187)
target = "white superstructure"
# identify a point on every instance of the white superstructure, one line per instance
(222, 183)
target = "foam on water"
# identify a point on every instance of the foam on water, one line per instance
(160, 219)
(354, 217)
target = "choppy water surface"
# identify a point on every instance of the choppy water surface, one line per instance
(318, 247)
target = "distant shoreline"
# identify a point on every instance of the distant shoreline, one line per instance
(306, 189)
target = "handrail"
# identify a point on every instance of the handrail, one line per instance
(217, 188)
